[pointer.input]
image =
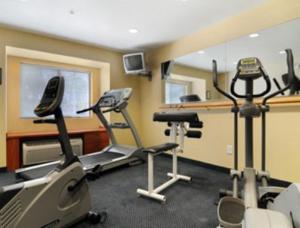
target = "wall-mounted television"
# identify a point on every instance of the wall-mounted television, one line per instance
(134, 63)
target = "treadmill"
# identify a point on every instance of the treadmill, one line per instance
(112, 156)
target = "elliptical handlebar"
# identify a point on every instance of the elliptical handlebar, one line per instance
(291, 76)
(216, 85)
(266, 91)
(290, 64)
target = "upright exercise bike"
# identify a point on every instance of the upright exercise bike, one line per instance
(59, 199)
(256, 206)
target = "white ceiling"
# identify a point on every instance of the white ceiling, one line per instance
(106, 22)
(266, 47)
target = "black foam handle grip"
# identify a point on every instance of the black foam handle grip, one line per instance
(167, 132)
(196, 124)
(193, 134)
(42, 121)
(290, 64)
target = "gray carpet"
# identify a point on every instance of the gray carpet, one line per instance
(188, 204)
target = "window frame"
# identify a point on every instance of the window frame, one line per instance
(60, 67)
(187, 84)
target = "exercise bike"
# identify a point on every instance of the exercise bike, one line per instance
(255, 206)
(59, 199)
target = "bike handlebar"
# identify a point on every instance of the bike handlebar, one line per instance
(47, 121)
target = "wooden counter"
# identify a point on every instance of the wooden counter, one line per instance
(93, 140)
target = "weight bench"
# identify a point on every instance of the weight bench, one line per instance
(176, 121)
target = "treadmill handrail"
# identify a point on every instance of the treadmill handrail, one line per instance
(85, 110)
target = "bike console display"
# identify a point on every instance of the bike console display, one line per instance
(51, 98)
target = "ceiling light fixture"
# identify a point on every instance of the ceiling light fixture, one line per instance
(282, 52)
(234, 63)
(133, 31)
(254, 35)
(201, 52)
(23, 0)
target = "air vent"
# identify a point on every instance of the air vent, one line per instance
(40, 151)
(10, 214)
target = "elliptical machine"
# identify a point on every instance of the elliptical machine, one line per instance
(59, 199)
(254, 206)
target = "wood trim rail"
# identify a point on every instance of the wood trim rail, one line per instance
(277, 102)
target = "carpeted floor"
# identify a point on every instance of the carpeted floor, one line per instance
(188, 204)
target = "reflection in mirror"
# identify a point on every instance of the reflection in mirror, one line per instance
(268, 45)
(191, 74)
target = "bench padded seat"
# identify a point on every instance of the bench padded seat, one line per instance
(189, 117)
(160, 148)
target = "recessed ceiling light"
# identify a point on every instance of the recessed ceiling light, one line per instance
(254, 35)
(201, 52)
(183, 0)
(282, 52)
(234, 63)
(133, 31)
(23, 0)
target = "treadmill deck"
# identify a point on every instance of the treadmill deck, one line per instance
(88, 162)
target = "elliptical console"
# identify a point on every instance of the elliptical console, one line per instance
(248, 70)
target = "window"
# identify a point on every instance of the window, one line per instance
(174, 89)
(33, 82)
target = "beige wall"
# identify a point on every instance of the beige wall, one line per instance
(283, 130)
(30, 41)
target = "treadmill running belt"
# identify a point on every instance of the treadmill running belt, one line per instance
(36, 173)
(93, 160)
(99, 158)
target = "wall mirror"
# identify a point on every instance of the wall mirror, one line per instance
(191, 74)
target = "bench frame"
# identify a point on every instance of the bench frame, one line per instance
(177, 129)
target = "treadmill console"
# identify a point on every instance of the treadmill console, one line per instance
(114, 97)
(52, 97)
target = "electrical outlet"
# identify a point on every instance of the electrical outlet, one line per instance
(229, 149)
